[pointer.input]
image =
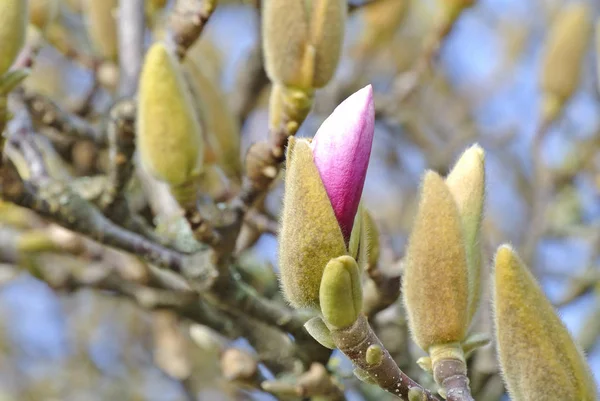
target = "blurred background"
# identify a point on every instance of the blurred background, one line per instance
(61, 343)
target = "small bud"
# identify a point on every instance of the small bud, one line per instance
(417, 394)
(424, 363)
(341, 148)
(319, 331)
(42, 12)
(538, 357)
(169, 136)
(371, 239)
(341, 292)
(310, 234)
(13, 29)
(363, 375)
(374, 355)
(435, 282)
(302, 40)
(467, 185)
(565, 48)
(100, 17)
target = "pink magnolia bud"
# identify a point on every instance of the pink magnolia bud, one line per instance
(341, 149)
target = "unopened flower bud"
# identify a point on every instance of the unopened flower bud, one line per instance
(435, 281)
(13, 29)
(169, 136)
(101, 24)
(302, 40)
(538, 357)
(565, 48)
(341, 292)
(467, 185)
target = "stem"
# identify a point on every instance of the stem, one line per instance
(354, 341)
(188, 21)
(451, 374)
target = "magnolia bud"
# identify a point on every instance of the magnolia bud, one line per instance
(371, 238)
(538, 357)
(302, 40)
(169, 136)
(467, 185)
(13, 29)
(222, 129)
(310, 234)
(341, 292)
(565, 48)
(435, 282)
(42, 12)
(102, 26)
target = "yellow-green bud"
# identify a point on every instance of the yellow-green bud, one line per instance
(310, 233)
(42, 12)
(341, 292)
(435, 281)
(374, 355)
(356, 234)
(565, 48)
(102, 26)
(371, 235)
(302, 40)
(318, 330)
(13, 29)
(222, 129)
(467, 185)
(538, 357)
(288, 105)
(169, 136)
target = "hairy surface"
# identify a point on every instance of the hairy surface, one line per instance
(13, 27)
(538, 357)
(435, 282)
(310, 235)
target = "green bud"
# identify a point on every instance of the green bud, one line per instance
(341, 292)
(288, 105)
(302, 40)
(169, 136)
(356, 234)
(538, 357)
(467, 185)
(100, 17)
(417, 394)
(374, 355)
(565, 48)
(13, 30)
(371, 238)
(435, 281)
(424, 363)
(310, 233)
(319, 331)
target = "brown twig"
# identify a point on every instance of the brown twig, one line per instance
(49, 114)
(355, 342)
(188, 20)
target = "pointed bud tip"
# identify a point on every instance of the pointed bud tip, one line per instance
(341, 149)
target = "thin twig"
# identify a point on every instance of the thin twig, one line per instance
(188, 20)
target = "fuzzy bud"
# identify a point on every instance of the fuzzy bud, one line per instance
(302, 40)
(13, 30)
(435, 282)
(565, 48)
(310, 234)
(538, 357)
(222, 129)
(101, 24)
(341, 292)
(169, 136)
(467, 185)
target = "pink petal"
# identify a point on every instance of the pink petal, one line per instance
(341, 149)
